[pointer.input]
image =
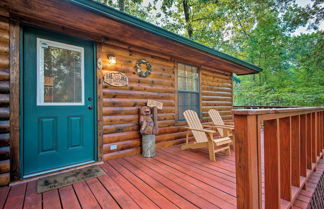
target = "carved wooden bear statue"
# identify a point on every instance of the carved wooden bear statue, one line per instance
(148, 120)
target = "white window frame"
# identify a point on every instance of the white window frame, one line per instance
(40, 72)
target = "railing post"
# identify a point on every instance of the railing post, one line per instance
(285, 158)
(318, 133)
(248, 177)
(296, 151)
(314, 134)
(303, 145)
(272, 163)
(309, 140)
(322, 132)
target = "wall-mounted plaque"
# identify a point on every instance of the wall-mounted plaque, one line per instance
(153, 103)
(115, 78)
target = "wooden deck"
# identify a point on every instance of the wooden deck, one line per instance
(173, 179)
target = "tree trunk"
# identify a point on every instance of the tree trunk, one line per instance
(121, 5)
(186, 10)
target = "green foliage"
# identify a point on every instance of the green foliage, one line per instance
(258, 31)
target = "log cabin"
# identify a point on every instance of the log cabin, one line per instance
(58, 109)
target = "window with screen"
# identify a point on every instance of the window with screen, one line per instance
(188, 89)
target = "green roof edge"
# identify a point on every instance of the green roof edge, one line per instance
(136, 22)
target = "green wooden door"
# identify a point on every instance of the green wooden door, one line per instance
(58, 101)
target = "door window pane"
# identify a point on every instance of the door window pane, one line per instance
(60, 73)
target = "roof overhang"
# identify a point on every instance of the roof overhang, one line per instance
(103, 21)
(138, 23)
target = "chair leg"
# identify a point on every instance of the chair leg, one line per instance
(233, 143)
(211, 151)
(229, 150)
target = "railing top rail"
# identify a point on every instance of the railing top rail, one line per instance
(276, 110)
(261, 106)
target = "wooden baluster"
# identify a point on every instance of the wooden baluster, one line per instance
(309, 141)
(272, 164)
(322, 134)
(319, 132)
(322, 131)
(320, 125)
(318, 142)
(303, 145)
(285, 158)
(314, 158)
(248, 178)
(295, 151)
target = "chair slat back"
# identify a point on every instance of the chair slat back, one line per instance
(217, 120)
(194, 122)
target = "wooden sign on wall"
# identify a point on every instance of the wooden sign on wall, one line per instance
(115, 78)
(153, 103)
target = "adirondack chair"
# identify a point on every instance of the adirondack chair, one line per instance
(204, 137)
(218, 123)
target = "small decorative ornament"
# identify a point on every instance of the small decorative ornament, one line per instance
(140, 71)
(99, 64)
(116, 78)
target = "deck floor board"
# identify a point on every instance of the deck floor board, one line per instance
(188, 182)
(101, 194)
(68, 198)
(152, 194)
(173, 184)
(129, 189)
(4, 191)
(119, 195)
(160, 188)
(173, 179)
(33, 200)
(85, 196)
(16, 196)
(51, 200)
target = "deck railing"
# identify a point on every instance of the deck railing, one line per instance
(263, 107)
(274, 162)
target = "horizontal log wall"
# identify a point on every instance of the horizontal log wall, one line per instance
(4, 103)
(216, 92)
(121, 104)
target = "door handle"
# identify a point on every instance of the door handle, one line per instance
(90, 99)
(90, 107)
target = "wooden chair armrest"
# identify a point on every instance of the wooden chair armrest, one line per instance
(224, 127)
(208, 123)
(208, 126)
(201, 130)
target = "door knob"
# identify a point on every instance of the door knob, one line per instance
(90, 99)
(90, 107)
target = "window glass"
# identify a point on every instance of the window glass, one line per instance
(60, 73)
(188, 89)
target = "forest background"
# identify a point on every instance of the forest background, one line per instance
(284, 37)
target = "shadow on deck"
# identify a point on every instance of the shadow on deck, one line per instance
(173, 179)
